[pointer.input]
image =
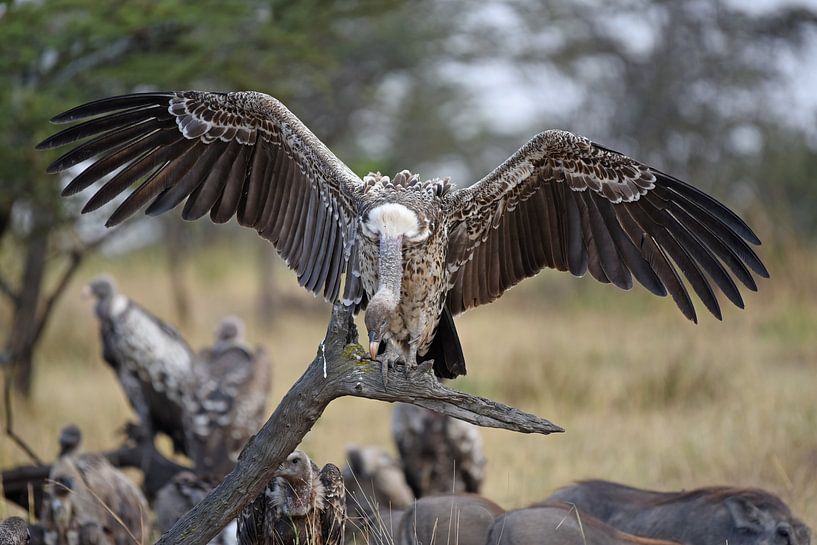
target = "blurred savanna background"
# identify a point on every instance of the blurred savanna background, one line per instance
(719, 93)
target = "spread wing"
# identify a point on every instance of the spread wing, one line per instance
(566, 203)
(333, 515)
(236, 154)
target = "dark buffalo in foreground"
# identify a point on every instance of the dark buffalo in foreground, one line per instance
(705, 516)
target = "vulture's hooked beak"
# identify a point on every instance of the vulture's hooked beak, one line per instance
(374, 344)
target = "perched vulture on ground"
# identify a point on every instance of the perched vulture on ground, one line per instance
(14, 531)
(440, 454)
(414, 252)
(152, 361)
(89, 501)
(301, 505)
(376, 494)
(228, 401)
(179, 496)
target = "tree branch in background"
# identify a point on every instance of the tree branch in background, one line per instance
(10, 419)
(75, 258)
(33, 308)
(339, 369)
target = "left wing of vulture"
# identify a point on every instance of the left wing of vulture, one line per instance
(566, 203)
(240, 154)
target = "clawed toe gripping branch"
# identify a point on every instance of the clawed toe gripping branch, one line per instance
(340, 368)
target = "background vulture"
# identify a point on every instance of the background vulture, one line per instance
(14, 531)
(152, 361)
(228, 399)
(179, 496)
(90, 501)
(302, 504)
(376, 495)
(416, 252)
(440, 454)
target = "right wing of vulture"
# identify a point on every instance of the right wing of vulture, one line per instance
(564, 202)
(236, 154)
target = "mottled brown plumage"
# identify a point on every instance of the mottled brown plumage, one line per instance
(87, 496)
(14, 531)
(439, 454)
(228, 399)
(179, 496)
(418, 252)
(301, 505)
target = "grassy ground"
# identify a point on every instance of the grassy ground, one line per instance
(647, 398)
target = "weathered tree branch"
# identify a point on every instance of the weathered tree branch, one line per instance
(339, 369)
(8, 379)
(75, 258)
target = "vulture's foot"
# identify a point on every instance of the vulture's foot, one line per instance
(388, 362)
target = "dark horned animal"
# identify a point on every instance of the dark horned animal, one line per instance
(704, 516)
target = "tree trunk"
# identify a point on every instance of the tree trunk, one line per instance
(24, 327)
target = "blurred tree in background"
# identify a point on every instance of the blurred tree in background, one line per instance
(696, 87)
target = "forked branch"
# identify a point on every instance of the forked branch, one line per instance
(339, 369)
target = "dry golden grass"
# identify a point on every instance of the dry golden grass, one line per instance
(647, 398)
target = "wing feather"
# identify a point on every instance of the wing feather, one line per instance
(227, 154)
(566, 203)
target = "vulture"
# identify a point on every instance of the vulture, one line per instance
(302, 504)
(14, 531)
(440, 454)
(376, 495)
(179, 496)
(88, 501)
(228, 401)
(413, 253)
(151, 359)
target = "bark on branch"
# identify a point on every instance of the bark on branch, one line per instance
(340, 368)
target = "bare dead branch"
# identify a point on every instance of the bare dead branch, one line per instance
(19, 441)
(339, 369)
(75, 259)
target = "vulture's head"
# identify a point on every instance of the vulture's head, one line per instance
(378, 317)
(295, 484)
(297, 468)
(70, 438)
(102, 287)
(230, 329)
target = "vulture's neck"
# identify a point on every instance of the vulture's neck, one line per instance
(390, 269)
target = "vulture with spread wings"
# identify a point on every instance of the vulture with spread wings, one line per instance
(413, 253)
